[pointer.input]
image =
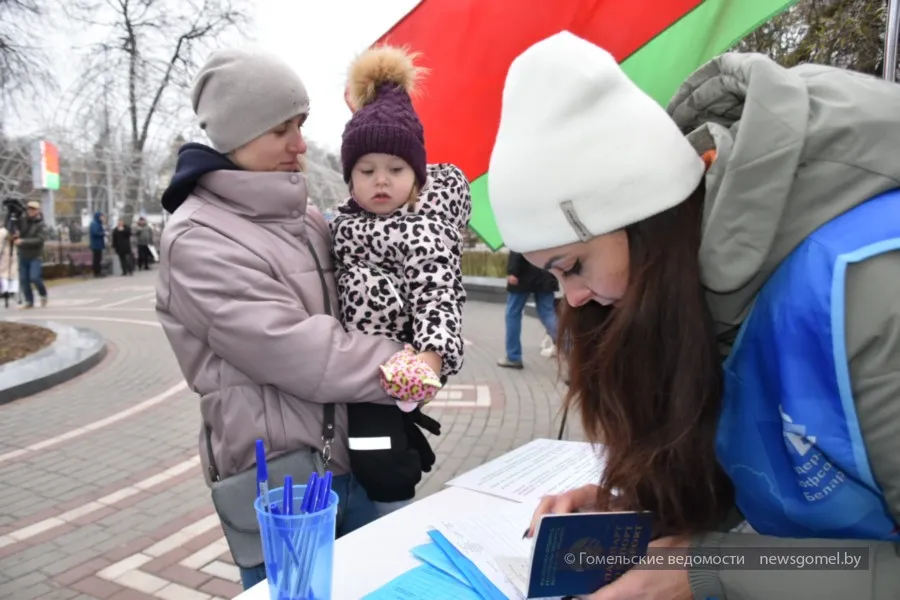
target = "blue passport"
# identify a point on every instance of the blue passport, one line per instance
(577, 554)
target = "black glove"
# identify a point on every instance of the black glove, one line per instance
(387, 475)
(417, 439)
(424, 421)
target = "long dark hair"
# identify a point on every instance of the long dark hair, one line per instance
(647, 378)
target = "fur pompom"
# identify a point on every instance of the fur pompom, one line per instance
(378, 65)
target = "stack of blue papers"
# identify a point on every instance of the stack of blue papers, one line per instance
(606, 539)
(445, 573)
(424, 582)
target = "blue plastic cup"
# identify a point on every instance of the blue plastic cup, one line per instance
(298, 549)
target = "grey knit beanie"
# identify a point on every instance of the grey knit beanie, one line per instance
(240, 94)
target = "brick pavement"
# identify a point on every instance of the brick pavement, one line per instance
(101, 495)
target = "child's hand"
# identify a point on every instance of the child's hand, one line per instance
(410, 378)
(433, 360)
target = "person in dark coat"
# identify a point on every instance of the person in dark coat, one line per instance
(98, 242)
(143, 236)
(121, 243)
(29, 242)
(522, 281)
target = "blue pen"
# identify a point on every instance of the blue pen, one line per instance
(314, 496)
(322, 493)
(287, 500)
(308, 494)
(306, 505)
(318, 489)
(262, 474)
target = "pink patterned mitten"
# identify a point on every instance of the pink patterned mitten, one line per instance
(406, 377)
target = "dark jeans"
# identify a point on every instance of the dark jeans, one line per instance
(97, 262)
(126, 259)
(144, 258)
(515, 306)
(354, 510)
(30, 273)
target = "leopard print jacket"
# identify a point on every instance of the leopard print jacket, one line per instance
(400, 275)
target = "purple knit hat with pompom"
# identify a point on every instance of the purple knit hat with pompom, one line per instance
(388, 125)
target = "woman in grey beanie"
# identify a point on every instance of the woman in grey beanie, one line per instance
(246, 297)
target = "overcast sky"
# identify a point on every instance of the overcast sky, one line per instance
(320, 38)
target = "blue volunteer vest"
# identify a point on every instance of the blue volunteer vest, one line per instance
(788, 435)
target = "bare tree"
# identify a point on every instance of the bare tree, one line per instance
(23, 64)
(150, 54)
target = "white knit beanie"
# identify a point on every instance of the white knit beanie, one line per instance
(610, 155)
(240, 94)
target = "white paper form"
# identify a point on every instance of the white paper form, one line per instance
(492, 541)
(538, 468)
(516, 571)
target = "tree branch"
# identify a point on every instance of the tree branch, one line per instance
(24, 67)
(209, 23)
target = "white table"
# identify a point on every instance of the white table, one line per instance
(375, 554)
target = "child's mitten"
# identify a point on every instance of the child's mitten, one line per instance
(409, 379)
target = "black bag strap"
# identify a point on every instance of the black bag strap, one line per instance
(213, 469)
(328, 420)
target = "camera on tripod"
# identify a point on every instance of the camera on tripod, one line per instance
(13, 209)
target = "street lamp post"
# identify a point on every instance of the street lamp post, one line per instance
(890, 40)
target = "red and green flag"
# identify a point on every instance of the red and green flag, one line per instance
(468, 46)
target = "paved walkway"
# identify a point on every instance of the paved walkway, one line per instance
(101, 494)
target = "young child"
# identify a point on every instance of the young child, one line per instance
(398, 252)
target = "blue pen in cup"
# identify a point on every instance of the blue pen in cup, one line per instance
(262, 478)
(305, 504)
(318, 502)
(322, 493)
(287, 504)
(299, 547)
(262, 473)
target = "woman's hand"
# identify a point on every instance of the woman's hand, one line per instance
(567, 502)
(651, 584)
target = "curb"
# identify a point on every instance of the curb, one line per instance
(74, 351)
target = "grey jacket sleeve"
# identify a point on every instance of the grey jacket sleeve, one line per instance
(253, 322)
(873, 348)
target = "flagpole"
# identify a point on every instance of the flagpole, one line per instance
(890, 40)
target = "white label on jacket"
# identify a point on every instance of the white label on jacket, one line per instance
(370, 443)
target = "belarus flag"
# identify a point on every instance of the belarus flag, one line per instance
(468, 46)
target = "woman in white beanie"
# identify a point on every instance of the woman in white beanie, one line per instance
(732, 275)
(246, 296)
